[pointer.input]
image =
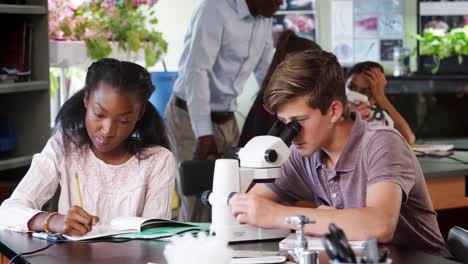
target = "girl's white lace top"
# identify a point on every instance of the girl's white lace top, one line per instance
(141, 188)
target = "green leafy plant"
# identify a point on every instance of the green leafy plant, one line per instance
(442, 45)
(130, 23)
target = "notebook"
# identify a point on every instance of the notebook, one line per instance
(315, 243)
(439, 150)
(138, 227)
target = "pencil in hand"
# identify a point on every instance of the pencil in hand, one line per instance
(78, 191)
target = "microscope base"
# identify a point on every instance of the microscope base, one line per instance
(236, 233)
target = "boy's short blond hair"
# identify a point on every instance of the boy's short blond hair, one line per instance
(313, 74)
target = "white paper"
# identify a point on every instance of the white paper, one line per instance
(433, 149)
(100, 231)
(119, 225)
(342, 19)
(315, 243)
(271, 259)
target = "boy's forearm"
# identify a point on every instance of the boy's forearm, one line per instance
(357, 223)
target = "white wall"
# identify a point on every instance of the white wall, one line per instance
(246, 99)
(174, 18)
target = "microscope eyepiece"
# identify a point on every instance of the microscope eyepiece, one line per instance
(276, 129)
(290, 131)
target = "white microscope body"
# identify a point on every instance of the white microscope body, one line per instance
(260, 161)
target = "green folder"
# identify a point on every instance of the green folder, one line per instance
(168, 231)
(141, 228)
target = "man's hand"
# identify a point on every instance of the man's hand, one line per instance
(255, 210)
(206, 147)
(377, 83)
(76, 222)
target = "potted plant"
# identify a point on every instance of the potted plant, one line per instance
(99, 23)
(443, 52)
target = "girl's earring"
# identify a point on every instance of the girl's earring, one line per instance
(136, 135)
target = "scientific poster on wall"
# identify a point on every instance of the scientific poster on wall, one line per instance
(342, 31)
(366, 29)
(298, 16)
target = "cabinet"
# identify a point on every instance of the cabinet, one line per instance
(27, 104)
(435, 106)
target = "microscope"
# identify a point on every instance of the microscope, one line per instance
(258, 162)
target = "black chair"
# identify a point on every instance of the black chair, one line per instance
(196, 176)
(457, 242)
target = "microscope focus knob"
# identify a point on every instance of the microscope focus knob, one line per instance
(236, 155)
(205, 198)
(271, 155)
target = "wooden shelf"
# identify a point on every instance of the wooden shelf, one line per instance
(27, 104)
(24, 87)
(23, 9)
(15, 162)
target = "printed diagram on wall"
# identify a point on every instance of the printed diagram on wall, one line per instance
(298, 16)
(342, 31)
(366, 29)
(391, 27)
(366, 49)
(366, 25)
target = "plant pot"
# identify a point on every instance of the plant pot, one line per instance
(447, 66)
(70, 53)
(164, 82)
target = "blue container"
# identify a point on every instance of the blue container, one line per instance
(7, 136)
(164, 82)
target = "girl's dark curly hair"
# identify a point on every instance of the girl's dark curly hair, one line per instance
(123, 76)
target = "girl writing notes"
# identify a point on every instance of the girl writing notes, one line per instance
(109, 154)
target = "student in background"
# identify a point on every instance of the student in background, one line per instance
(258, 120)
(226, 42)
(368, 78)
(368, 175)
(112, 139)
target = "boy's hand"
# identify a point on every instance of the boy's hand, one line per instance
(326, 207)
(76, 222)
(254, 210)
(377, 83)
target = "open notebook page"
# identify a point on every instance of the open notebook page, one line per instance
(315, 243)
(101, 231)
(119, 225)
(138, 227)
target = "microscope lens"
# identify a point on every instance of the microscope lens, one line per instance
(291, 131)
(276, 129)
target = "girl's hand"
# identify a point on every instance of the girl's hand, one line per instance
(377, 83)
(76, 222)
(364, 108)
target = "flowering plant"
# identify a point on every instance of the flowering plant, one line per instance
(130, 23)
